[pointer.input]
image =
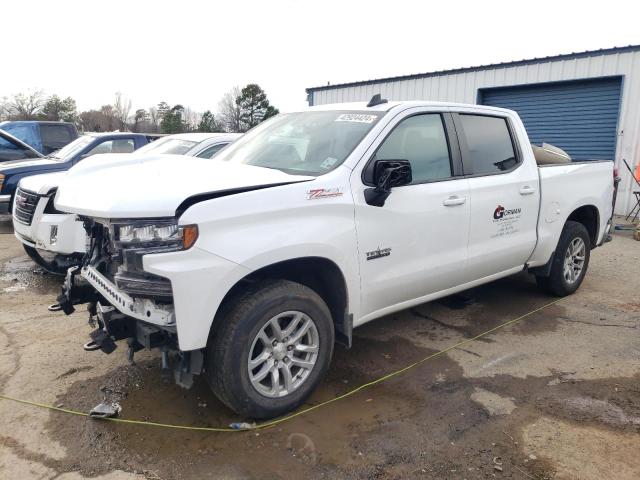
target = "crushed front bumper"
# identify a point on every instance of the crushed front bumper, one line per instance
(138, 308)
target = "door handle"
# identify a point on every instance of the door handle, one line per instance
(527, 190)
(453, 201)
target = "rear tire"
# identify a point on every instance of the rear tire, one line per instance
(55, 264)
(570, 261)
(272, 347)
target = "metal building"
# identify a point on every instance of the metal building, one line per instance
(587, 103)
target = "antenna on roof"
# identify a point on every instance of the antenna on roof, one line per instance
(376, 100)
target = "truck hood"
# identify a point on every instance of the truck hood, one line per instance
(138, 186)
(42, 184)
(23, 164)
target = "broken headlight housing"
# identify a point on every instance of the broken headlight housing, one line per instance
(134, 239)
(166, 234)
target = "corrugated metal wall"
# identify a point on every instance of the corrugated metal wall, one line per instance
(579, 116)
(464, 86)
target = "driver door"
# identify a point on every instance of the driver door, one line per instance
(416, 244)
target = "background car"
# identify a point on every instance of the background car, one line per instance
(55, 240)
(203, 145)
(44, 136)
(11, 172)
(12, 148)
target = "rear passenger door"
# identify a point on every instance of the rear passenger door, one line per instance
(504, 194)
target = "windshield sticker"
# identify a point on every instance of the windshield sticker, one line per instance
(357, 117)
(318, 193)
(328, 163)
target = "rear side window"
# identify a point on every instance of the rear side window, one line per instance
(211, 151)
(489, 144)
(55, 136)
(123, 145)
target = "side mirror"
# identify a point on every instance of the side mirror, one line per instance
(386, 175)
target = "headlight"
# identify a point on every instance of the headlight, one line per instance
(1, 181)
(157, 233)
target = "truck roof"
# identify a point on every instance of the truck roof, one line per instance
(39, 122)
(389, 105)
(118, 134)
(200, 137)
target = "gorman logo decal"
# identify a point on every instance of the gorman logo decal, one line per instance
(500, 212)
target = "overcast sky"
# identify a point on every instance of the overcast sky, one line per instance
(193, 52)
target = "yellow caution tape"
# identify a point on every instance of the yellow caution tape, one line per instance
(304, 411)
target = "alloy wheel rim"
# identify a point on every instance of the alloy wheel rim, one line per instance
(283, 354)
(574, 260)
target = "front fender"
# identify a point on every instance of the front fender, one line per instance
(199, 280)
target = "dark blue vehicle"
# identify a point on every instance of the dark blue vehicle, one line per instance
(45, 136)
(12, 172)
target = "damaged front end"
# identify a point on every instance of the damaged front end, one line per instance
(124, 301)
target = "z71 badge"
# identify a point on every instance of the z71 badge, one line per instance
(318, 193)
(378, 253)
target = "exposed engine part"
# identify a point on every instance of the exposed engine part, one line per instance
(91, 346)
(166, 366)
(190, 364)
(75, 290)
(54, 307)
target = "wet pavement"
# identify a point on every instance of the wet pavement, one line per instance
(556, 396)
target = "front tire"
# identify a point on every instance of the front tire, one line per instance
(570, 262)
(272, 347)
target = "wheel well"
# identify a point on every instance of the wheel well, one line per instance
(589, 216)
(321, 275)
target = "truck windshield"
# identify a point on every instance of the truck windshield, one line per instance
(168, 145)
(72, 149)
(304, 143)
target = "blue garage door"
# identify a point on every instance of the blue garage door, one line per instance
(578, 116)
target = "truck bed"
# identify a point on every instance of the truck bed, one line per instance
(590, 180)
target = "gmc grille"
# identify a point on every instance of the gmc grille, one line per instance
(24, 206)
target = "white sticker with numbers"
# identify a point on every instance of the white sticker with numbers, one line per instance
(357, 117)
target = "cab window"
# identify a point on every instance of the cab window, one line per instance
(488, 143)
(54, 136)
(420, 139)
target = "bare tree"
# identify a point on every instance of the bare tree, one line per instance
(103, 120)
(121, 109)
(191, 119)
(229, 110)
(154, 119)
(26, 106)
(4, 108)
(140, 120)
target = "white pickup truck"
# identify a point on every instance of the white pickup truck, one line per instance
(251, 266)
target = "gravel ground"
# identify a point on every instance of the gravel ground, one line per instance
(556, 396)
